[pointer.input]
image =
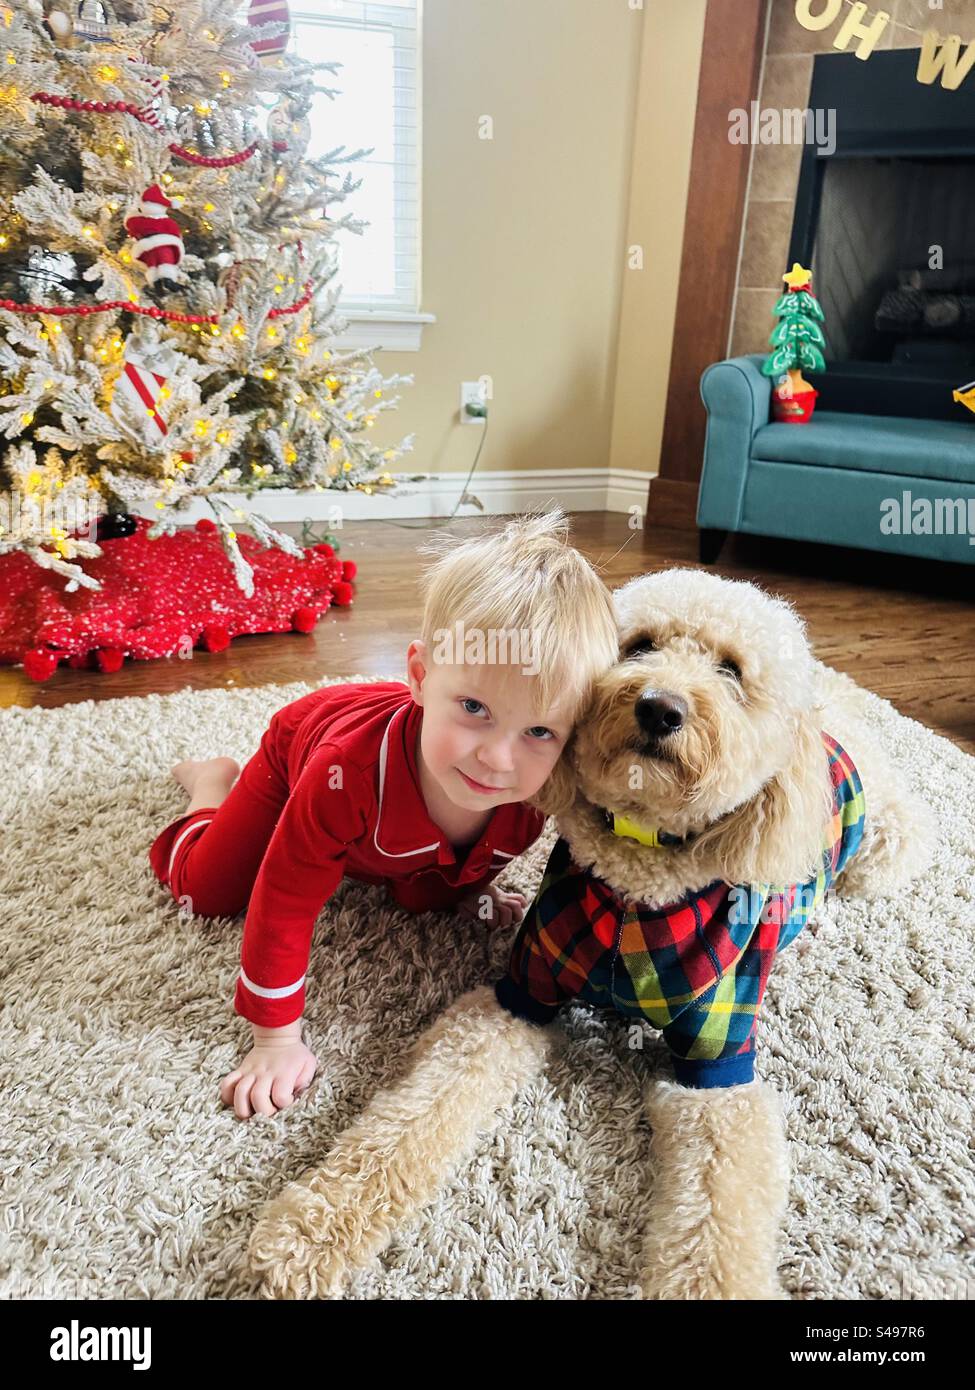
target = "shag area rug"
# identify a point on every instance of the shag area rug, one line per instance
(124, 1177)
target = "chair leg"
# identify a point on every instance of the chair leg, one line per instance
(711, 540)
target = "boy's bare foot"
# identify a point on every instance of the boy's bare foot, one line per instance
(495, 906)
(207, 782)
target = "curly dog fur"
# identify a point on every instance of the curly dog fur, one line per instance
(398, 1154)
(744, 774)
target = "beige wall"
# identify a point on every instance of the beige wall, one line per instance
(672, 40)
(525, 235)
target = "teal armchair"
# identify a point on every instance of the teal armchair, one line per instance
(881, 482)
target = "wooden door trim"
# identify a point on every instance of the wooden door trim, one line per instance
(731, 60)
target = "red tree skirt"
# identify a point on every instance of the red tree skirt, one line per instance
(160, 598)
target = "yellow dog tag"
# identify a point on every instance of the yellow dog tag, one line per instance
(629, 828)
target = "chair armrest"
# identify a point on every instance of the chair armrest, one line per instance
(737, 397)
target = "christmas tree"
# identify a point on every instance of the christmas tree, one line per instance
(167, 275)
(797, 338)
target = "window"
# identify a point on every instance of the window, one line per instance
(377, 108)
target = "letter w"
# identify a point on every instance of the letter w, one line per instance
(944, 59)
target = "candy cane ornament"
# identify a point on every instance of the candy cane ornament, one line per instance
(138, 388)
(153, 110)
(159, 241)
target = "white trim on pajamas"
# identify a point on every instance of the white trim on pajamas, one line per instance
(272, 993)
(187, 830)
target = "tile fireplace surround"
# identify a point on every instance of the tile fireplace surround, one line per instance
(770, 205)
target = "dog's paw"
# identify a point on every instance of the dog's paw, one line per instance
(721, 1181)
(299, 1248)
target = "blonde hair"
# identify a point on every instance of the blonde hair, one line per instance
(526, 577)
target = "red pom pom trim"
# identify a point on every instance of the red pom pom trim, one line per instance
(215, 637)
(40, 664)
(342, 594)
(109, 659)
(304, 619)
(205, 524)
(349, 570)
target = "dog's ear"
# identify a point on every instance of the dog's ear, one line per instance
(558, 792)
(777, 836)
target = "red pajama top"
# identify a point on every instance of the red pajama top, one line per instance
(355, 807)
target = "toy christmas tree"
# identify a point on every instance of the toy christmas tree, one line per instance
(167, 294)
(798, 342)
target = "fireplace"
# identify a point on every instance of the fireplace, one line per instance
(886, 221)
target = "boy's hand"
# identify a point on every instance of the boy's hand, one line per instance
(494, 905)
(273, 1074)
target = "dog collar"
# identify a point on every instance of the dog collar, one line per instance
(654, 838)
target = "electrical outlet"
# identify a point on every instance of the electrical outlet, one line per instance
(473, 403)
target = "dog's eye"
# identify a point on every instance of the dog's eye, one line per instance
(640, 647)
(732, 668)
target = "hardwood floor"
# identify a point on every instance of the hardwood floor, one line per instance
(903, 628)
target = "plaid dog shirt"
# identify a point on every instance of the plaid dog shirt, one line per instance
(696, 969)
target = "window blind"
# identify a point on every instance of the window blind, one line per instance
(377, 108)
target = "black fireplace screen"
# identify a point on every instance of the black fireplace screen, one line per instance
(894, 261)
(885, 218)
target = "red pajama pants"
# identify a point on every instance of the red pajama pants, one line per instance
(210, 859)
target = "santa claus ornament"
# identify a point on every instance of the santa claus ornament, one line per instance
(270, 12)
(158, 239)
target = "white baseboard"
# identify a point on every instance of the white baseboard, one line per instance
(501, 493)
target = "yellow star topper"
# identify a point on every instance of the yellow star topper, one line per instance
(797, 277)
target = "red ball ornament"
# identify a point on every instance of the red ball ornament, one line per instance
(304, 619)
(40, 663)
(109, 659)
(215, 638)
(349, 570)
(342, 594)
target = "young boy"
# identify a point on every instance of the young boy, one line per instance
(424, 786)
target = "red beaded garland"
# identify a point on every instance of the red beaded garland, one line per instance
(102, 108)
(155, 312)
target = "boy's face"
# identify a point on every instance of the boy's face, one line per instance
(481, 738)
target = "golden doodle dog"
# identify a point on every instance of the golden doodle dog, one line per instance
(719, 783)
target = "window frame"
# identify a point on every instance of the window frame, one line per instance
(398, 323)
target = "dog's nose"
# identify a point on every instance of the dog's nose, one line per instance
(660, 713)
